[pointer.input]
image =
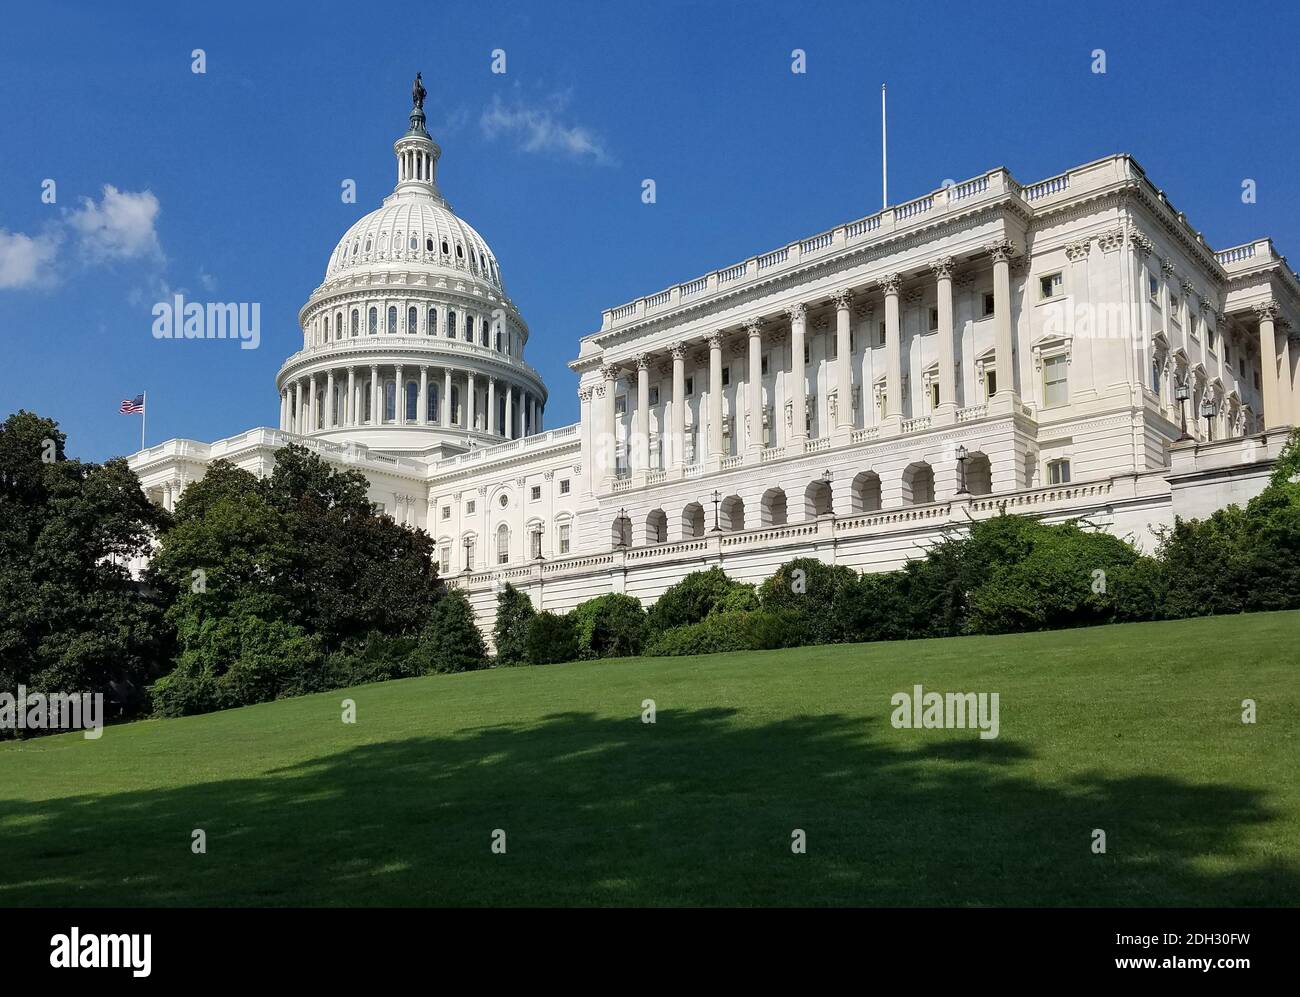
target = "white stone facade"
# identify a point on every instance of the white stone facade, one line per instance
(989, 346)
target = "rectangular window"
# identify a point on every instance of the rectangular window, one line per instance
(1058, 472)
(990, 383)
(726, 376)
(620, 405)
(564, 538)
(764, 365)
(535, 492)
(1051, 285)
(654, 394)
(1056, 389)
(934, 319)
(690, 386)
(446, 512)
(1153, 287)
(469, 507)
(832, 348)
(934, 395)
(1175, 312)
(807, 354)
(880, 334)
(469, 556)
(564, 486)
(990, 304)
(444, 558)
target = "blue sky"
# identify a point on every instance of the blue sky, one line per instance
(226, 185)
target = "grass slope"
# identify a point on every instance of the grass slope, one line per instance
(1133, 729)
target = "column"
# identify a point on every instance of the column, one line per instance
(608, 447)
(284, 406)
(947, 353)
(843, 361)
(754, 385)
(510, 411)
(297, 406)
(399, 396)
(492, 406)
(375, 410)
(1002, 251)
(641, 441)
(677, 436)
(798, 376)
(470, 411)
(890, 284)
(350, 412)
(422, 416)
(446, 398)
(329, 399)
(1274, 415)
(585, 428)
(715, 396)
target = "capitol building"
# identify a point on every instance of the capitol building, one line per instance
(1065, 348)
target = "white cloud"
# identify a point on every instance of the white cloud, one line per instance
(25, 260)
(539, 128)
(119, 227)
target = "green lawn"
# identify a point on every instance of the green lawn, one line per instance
(1133, 729)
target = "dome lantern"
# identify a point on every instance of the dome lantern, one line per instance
(417, 152)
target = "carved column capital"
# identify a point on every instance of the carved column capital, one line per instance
(942, 268)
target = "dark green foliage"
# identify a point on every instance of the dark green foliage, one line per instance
(71, 618)
(696, 596)
(514, 613)
(610, 626)
(452, 642)
(552, 638)
(819, 591)
(746, 630)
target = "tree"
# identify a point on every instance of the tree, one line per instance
(71, 617)
(552, 637)
(696, 596)
(610, 626)
(514, 613)
(452, 642)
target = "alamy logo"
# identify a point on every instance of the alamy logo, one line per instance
(83, 711)
(920, 710)
(179, 319)
(91, 951)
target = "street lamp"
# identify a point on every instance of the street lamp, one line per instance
(1208, 411)
(717, 498)
(537, 535)
(468, 544)
(1181, 393)
(622, 521)
(962, 454)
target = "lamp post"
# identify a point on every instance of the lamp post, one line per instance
(717, 498)
(962, 454)
(622, 529)
(468, 543)
(1208, 411)
(1181, 393)
(537, 535)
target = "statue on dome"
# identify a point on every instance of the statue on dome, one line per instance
(418, 92)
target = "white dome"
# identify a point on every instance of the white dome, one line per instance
(414, 227)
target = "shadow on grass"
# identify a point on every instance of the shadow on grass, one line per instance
(698, 808)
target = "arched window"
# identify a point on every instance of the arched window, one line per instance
(499, 342)
(866, 492)
(412, 320)
(451, 325)
(367, 244)
(433, 411)
(392, 319)
(327, 327)
(338, 325)
(412, 401)
(432, 328)
(469, 328)
(390, 400)
(428, 244)
(918, 484)
(445, 250)
(356, 322)
(415, 242)
(372, 321)
(773, 509)
(503, 544)
(460, 252)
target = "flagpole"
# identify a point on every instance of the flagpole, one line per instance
(884, 171)
(144, 414)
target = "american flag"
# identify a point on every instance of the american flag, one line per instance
(132, 406)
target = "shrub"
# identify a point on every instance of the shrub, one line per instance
(551, 638)
(1062, 582)
(755, 630)
(812, 588)
(514, 613)
(379, 659)
(610, 626)
(452, 642)
(695, 597)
